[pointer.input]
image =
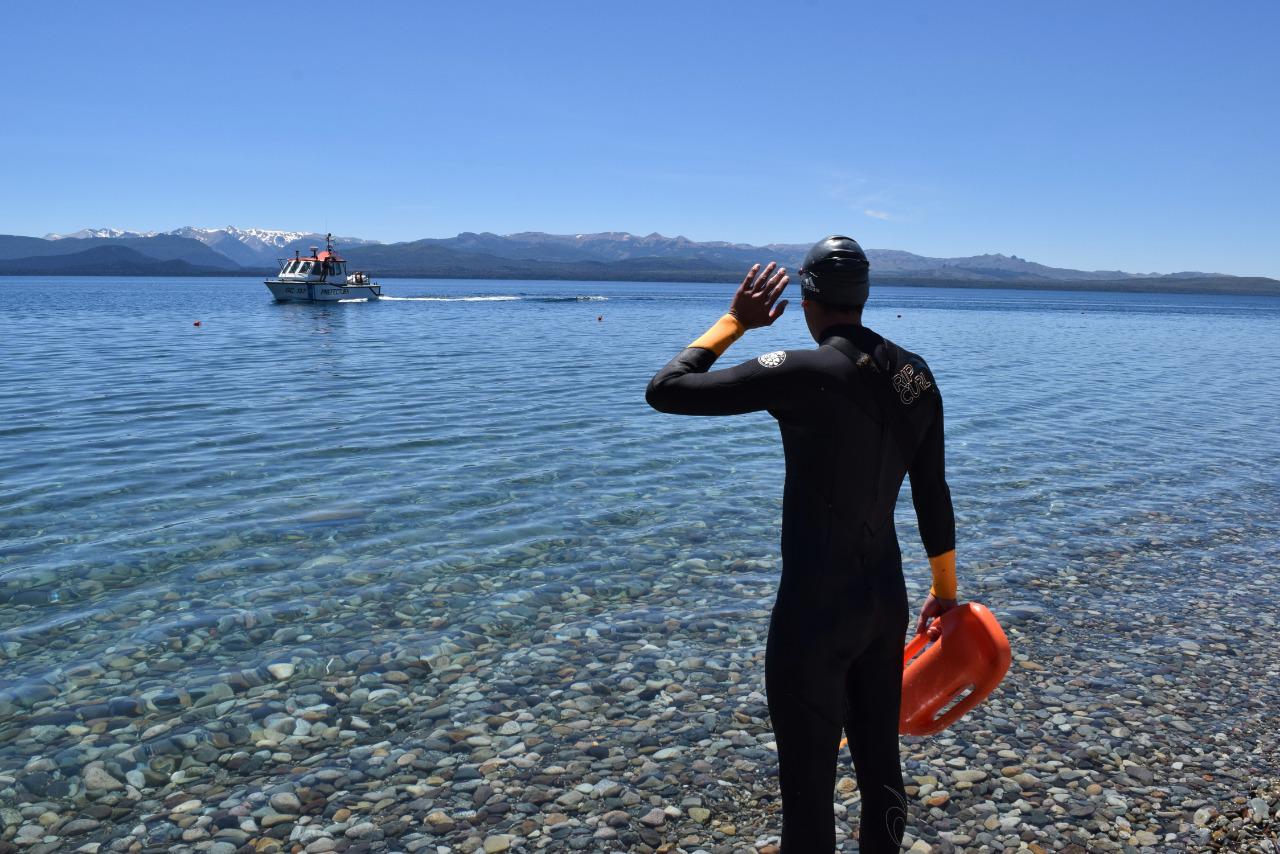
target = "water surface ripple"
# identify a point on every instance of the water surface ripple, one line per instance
(295, 482)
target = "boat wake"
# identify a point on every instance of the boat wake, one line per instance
(451, 299)
(507, 298)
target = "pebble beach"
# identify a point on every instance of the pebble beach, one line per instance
(560, 647)
(532, 735)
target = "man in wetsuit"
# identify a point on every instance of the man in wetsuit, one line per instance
(857, 414)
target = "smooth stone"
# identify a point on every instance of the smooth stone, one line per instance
(281, 670)
(77, 826)
(654, 818)
(96, 779)
(286, 802)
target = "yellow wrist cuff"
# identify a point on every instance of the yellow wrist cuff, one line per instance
(944, 575)
(722, 333)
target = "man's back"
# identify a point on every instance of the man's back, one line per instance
(856, 414)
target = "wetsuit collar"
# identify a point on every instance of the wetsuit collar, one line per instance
(851, 331)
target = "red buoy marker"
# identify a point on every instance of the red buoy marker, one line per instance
(197, 323)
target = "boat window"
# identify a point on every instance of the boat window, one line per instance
(292, 267)
(306, 268)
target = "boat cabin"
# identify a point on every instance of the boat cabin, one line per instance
(324, 266)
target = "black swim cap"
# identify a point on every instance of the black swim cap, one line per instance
(835, 273)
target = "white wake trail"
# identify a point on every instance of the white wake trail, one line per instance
(452, 299)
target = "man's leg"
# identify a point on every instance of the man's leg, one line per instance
(808, 740)
(874, 687)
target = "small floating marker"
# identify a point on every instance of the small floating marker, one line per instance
(899, 316)
(197, 323)
(599, 318)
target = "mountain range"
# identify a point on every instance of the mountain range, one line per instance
(536, 255)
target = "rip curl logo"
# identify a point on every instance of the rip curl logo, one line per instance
(772, 360)
(895, 817)
(909, 385)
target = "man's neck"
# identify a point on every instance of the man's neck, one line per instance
(843, 326)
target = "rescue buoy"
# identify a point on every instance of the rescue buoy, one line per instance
(943, 679)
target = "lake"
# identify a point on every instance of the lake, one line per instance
(464, 480)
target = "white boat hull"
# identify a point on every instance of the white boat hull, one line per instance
(286, 291)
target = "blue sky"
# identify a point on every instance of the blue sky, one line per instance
(1140, 136)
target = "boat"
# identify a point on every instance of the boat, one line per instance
(320, 277)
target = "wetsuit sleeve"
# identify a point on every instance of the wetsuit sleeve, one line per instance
(932, 499)
(722, 333)
(687, 386)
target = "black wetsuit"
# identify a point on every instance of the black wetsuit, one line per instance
(856, 414)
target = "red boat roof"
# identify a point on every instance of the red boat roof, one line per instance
(320, 256)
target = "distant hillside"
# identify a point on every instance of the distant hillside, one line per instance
(1173, 284)
(606, 256)
(160, 247)
(103, 261)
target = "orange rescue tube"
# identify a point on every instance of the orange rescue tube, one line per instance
(954, 673)
(970, 655)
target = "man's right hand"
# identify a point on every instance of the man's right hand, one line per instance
(754, 301)
(933, 608)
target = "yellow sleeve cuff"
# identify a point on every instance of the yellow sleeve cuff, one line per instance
(944, 575)
(723, 332)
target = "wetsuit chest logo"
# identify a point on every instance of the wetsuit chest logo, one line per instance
(909, 385)
(772, 360)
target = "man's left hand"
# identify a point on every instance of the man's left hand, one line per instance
(933, 607)
(754, 301)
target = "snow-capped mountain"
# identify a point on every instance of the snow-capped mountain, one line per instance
(85, 233)
(248, 236)
(249, 247)
(254, 247)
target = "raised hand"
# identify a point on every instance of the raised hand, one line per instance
(755, 303)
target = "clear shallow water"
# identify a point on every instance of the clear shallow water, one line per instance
(298, 482)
